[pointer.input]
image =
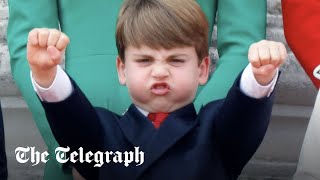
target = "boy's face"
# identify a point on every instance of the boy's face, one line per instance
(162, 80)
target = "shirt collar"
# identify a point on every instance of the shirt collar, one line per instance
(145, 113)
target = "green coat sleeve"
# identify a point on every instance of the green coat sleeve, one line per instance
(209, 7)
(24, 16)
(239, 24)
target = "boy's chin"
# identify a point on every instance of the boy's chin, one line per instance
(155, 107)
(164, 107)
(161, 108)
(161, 105)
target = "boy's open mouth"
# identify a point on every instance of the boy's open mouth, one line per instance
(160, 88)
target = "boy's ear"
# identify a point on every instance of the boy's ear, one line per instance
(204, 70)
(121, 71)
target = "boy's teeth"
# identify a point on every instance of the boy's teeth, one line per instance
(160, 89)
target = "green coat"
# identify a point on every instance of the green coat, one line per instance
(91, 55)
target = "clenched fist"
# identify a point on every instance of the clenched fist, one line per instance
(265, 57)
(45, 50)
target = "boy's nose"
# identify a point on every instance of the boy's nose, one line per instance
(160, 72)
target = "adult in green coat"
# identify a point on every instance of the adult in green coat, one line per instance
(92, 56)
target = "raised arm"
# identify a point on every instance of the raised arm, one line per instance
(239, 24)
(245, 113)
(45, 51)
(75, 124)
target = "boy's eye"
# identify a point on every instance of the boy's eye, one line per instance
(177, 61)
(143, 60)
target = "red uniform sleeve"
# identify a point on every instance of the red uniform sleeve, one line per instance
(301, 21)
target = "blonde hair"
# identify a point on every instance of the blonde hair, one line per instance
(162, 24)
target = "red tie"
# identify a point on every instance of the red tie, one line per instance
(157, 118)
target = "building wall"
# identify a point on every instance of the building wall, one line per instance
(275, 159)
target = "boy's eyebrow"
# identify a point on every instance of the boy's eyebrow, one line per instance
(142, 55)
(178, 55)
(167, 57)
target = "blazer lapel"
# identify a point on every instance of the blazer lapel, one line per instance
(136, 127)
(176, 125)
(140, 132)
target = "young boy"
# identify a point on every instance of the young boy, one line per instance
(163, 57)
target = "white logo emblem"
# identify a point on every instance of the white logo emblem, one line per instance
(316, 72)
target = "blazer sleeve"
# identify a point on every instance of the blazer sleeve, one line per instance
(75, 123)
(240, 127)
(301, 21)
(239, 24)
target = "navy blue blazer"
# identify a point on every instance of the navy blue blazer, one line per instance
(216, 143)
